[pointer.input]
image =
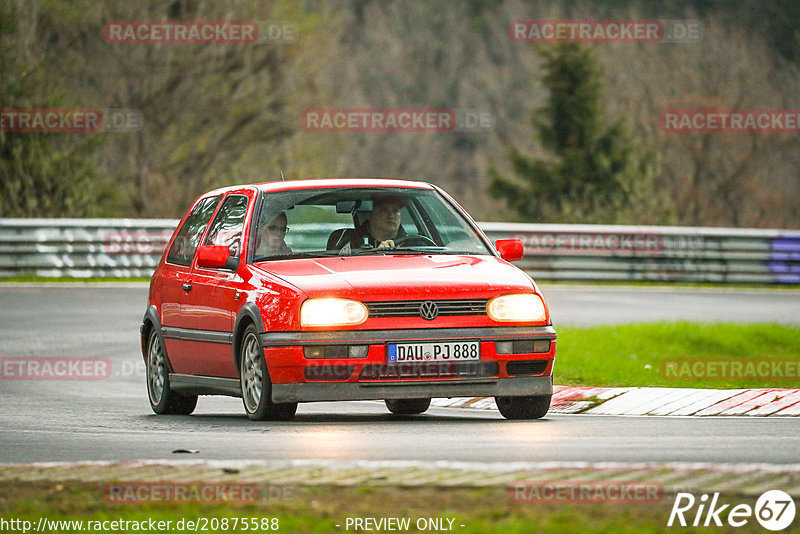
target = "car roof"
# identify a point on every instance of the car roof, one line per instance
(319, 183)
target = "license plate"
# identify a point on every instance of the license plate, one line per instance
(456, 351)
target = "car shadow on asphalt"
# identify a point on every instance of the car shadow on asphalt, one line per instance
(241, 420)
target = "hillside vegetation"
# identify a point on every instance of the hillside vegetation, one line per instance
(231, 113)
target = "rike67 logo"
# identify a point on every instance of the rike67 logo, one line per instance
(774, 510)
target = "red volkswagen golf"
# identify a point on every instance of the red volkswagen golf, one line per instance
(325, 290)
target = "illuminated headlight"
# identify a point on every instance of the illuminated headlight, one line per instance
(332, 312)
(516, 308)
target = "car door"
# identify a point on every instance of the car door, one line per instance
(175, 276)
(210, 306)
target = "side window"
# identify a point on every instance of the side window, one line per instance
(226, 230)
(183, 248)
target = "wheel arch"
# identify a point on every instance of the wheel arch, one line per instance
(249, 314)
(150, 321)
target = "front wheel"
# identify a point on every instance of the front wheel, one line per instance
(523, 407)
(256, 385)
(407, 406)
(162, 399)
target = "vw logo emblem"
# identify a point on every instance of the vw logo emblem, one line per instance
(428, 310)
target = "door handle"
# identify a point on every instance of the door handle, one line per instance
(187, 287)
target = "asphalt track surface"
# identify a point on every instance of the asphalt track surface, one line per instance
(69, 420)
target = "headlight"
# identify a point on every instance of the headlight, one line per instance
(332, 312)
(516, 308)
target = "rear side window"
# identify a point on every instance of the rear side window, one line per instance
(183, 248)
(226, 230)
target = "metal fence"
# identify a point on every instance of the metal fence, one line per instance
(85, 248)
(655, 253)
(82, 248)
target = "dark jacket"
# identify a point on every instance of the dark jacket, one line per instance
(361, 238)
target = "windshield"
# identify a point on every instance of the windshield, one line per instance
(360, 221)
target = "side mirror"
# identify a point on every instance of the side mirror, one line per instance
(214, 257)
(510, 249)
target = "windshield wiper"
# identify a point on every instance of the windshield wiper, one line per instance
(296, 255)
(412, 250)
(398, 251)
(368, 251)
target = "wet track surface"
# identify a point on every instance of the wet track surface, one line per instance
(109, 419)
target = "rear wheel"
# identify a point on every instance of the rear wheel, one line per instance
(162, 399)
(407, 406)
(256, 385)
(523, 407)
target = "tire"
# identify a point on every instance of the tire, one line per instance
(407, 406)
(163, 400)
(523, 407)
(255, 382)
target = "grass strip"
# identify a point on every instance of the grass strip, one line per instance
(321, 509)
(640, 355)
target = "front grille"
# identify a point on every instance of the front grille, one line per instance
(410, 308)
(428, 370)
(526, 367)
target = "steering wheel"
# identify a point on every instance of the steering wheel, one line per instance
(416, 240)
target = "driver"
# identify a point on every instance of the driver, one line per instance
(382, 228)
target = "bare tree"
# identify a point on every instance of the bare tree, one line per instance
(203, 106)
(716, 178)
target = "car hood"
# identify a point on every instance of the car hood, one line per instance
(401, 277)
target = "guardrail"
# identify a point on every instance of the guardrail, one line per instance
(85, 248)
(655, 253)
(82, 248)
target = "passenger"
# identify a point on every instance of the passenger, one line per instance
(271, 237)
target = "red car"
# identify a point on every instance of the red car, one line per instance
(323, 290)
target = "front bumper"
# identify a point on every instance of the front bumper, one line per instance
(338, 391)
(297, 379)
(332, 337)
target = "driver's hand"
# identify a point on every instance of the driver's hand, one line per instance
(386, 244)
